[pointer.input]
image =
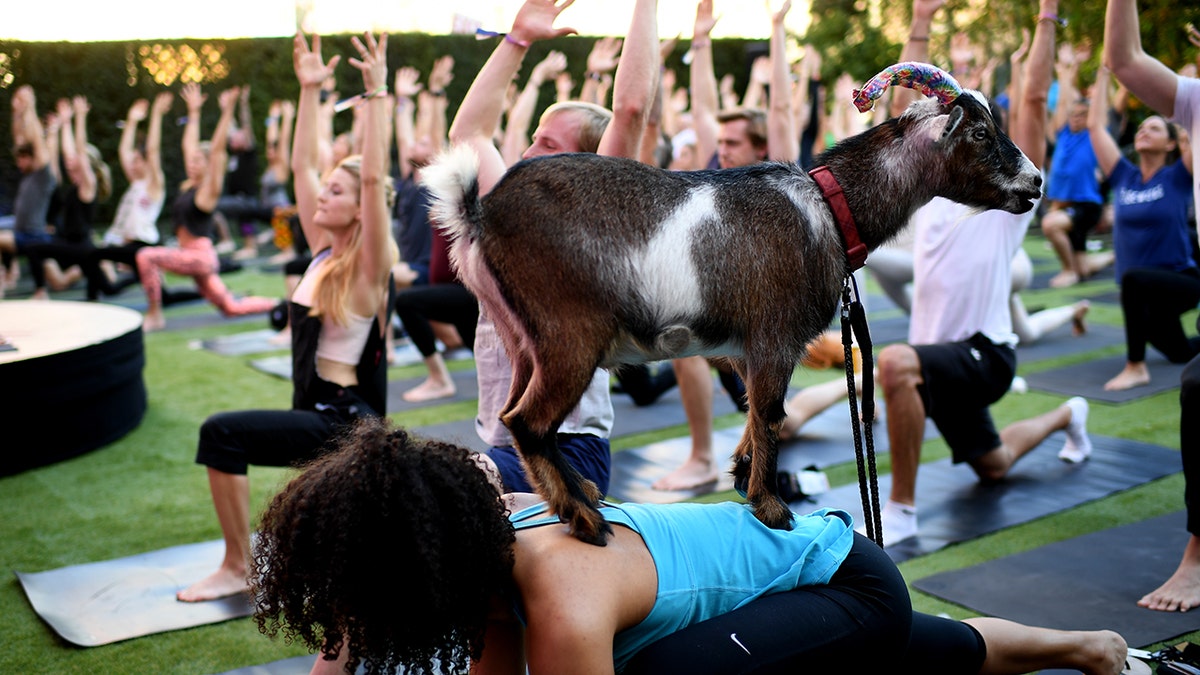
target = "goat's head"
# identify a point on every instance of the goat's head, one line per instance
(984, 168)
(980, 164)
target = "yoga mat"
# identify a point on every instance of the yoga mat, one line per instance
(211, 318)
(466, 389)
(297, 665)
(1090, 582)
(1087, 378)
(279, 366)
(825, 440)
(887, 331)
(249, 342)
(1062, 343)
(954, 506)
(104, 602)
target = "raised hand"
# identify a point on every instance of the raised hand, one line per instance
(81, 105)
(372, 61)
(192, 96)
(604, 55)
(228, 98)
(704, 20)
(407, 82)
(778, 17)
(311, 69)
(442, 74)
(162, 103)
(137, 109)
(549, 67)
(63, 110)
(535, 21)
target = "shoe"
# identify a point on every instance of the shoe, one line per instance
(899, 522)
(1078, 446)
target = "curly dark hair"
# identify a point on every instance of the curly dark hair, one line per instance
(394, 543)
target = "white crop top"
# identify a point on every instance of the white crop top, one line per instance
(337, 343)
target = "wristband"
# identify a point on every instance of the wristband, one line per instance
(918, 38)
(700, 43)
(1054, 18)
(594, 76)
(381, 90)
(512, 40)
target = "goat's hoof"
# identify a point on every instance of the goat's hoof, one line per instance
(773, 513)
(741, 475)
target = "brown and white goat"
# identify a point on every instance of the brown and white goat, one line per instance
(586, 261)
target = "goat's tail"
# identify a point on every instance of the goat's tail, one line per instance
(453, 179)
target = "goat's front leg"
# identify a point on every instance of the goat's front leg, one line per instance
(757, 455)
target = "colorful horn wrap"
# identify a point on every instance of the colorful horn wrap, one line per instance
(923, 77)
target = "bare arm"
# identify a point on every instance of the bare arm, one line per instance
(375, 254)
(783, 141)
(1029, 131)
(245, 119)
(1185, 147)
(407, 86)
(479, 113)
(704, 85)
(287, 117)
(516, 131)
(1067, 69)
(915, 49)
(84, 176)
(194, 100)
(439, 78)
(211, 185)
(1103, 146)
(633, 84)
(154, 171)
(27, 127)
(601, 61)
(311, 72)
(1146, 77)
(126, 151)
(1016, 83)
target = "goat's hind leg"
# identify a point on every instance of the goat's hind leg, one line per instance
(557, 382)
(757, 454)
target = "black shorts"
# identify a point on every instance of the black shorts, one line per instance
(1084, 218)
(961, 379)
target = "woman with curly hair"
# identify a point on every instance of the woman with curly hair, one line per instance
(338, 314)
(475, 579)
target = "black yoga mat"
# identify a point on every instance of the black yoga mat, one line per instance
(1088, 377)
(954, 506)
(104, 602)
(1089, 582)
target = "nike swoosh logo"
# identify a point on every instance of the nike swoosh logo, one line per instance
(733, 636)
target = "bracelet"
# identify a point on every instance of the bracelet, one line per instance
(591, 75)
(918, 38)
(381, 90)
(700, 43)
(440, 93)
(1053, 18)
(512, 40)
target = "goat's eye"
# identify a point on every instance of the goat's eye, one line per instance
(979, 135)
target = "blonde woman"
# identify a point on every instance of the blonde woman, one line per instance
(338, 313)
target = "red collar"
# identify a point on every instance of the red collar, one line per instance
(856, 251)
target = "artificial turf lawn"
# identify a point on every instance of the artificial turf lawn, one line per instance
(144, 492)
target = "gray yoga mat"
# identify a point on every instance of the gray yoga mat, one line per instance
(1090, 582)
(1088, 377)
(104, 602)
(1062, 343)
(954, 506)
(248, 342)
(297, 665)
(465, 384)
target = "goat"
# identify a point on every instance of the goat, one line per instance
(586, 261)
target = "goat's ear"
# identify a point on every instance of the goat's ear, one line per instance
(952, 124)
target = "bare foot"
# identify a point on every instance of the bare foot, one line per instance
(1078, 325)
(283, 337)
(153, 321)
(1134, 375)
(429, 390)
(1103, 652)
(1064, 280)
(691, 474)
(220, 584)
(1178, 594)
(40, 294)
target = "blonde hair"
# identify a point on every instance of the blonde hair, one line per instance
(593, 120)
(103, 173)
(337, 277)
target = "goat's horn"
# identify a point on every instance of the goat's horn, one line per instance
(927, 79)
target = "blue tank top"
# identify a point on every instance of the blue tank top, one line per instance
(714, 558)
(1150, 219)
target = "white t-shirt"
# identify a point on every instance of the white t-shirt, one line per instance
(1187, 113)
(962, 272)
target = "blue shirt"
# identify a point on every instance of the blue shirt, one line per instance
(714, 558)
(1150, 219)
(1073, 170)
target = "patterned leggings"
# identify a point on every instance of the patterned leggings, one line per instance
(198, 260)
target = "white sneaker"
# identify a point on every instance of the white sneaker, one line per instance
(899, 522)
(1078, 446)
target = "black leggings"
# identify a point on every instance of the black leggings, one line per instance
(1152, 300)
(1189, 441)
(448, 303)
(859, 622)
(67, 253)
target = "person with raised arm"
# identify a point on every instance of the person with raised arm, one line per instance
(1168, 94)
(338, 313)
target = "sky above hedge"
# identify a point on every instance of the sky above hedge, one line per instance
(145, 19)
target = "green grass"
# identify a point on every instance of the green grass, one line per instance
(145, 493)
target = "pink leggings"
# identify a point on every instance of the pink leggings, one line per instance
(198, 260)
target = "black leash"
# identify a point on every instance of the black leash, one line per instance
(854, 320)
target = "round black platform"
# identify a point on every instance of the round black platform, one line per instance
(72, 384)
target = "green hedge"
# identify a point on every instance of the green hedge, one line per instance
(111, 76)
